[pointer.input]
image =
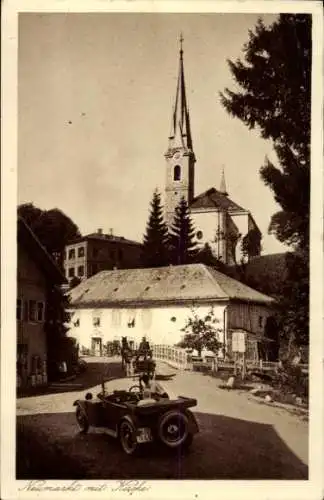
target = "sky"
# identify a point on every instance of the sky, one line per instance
(95, 96)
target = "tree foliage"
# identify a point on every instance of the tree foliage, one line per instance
(206, 256)
(274, 96)
(251, 243)
(182, 246)
(201, 332)
(155, 244)
(52, 227)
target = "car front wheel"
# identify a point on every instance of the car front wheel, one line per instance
(127, 437)
(82, 420)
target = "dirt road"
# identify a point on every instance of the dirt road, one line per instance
(238, 439)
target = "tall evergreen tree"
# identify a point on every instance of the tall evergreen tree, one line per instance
(274, 96)
(181, 242)
(155, 244)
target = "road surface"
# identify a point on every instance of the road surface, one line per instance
(239, 438)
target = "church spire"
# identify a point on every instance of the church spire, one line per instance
(180, 135)
(222, 188)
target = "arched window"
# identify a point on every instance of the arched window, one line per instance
(177, 173)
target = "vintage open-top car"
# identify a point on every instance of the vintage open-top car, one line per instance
(127, 416)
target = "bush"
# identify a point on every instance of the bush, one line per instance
(291, 379)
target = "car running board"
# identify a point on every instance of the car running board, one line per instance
(104, 430)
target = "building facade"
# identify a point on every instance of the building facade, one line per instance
(218, 220)
(36, 274)
(156, 303)
(97, 252)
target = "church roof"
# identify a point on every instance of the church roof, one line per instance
(161, 286)
(217, 200)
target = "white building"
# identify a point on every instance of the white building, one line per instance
(156, 303)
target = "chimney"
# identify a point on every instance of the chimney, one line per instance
(99, 231)
(111, 231)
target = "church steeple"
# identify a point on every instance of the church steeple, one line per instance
(180, 135)
(180, 158)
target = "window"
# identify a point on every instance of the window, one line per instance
(71, 272)
(32, 310)
(94, 268)
(95, 252)
(96, 321)
(19, 309)
(177, 173)
(260, 321)
(81, 271)
(120, 254)
(116, 317)
(81, 252)
(112, 254)
(40, 311)
(72, 253)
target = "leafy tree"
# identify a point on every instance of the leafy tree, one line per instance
(294, 301)
(155, 244)
(201, 333)
(251, 244)
(206, 256)
(52, 227)
(274, 96)
(181, 242)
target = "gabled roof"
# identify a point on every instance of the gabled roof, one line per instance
(173, 284)
(212, 198)
(32, 245)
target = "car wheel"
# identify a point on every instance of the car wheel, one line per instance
(127, 437)
(82, 420)
(173, 429)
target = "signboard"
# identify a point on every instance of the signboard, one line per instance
(238, 342)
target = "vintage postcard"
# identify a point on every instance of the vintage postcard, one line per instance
(162, 250)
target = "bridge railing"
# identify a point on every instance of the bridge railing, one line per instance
(175, 356)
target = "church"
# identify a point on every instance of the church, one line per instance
(219, 222)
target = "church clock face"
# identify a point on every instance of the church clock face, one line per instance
(177, 155)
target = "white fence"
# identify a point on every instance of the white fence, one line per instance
(174, 356)
(179, 358)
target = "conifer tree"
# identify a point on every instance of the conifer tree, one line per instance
(181, 241)
(155, 244)
(274, 96)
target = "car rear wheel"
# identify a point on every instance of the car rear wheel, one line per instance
(127, 437)
(82, 420)
(173, 429)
